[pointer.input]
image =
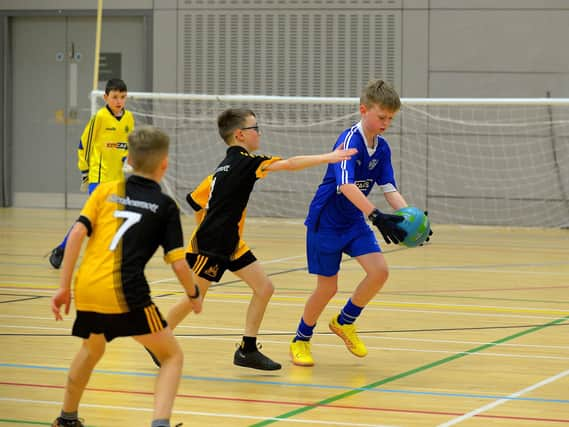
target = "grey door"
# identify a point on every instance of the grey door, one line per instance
(52, 74)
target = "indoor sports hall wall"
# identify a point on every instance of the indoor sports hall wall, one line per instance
(426, 48)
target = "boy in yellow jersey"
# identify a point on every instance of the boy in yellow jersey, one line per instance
(126, 221)
(103, 147)
(216, 244)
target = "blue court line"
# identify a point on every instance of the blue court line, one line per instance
(307, 385)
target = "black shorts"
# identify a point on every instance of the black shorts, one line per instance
(212, 268)
(138, 322)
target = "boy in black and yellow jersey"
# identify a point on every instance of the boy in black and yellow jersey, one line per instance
(103, 147)
(216, 244)
(126, 220)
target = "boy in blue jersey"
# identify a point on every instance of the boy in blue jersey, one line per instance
(103, 148)
(336, 222)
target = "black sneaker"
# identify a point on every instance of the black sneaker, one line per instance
(254, 360)
(56, 257)
(154, 358)
(60, 422)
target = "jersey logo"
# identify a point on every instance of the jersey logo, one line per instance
(222, 169)
(372, 164)
(126, 129)
(113, 128)
(117, 145)
(364, 185)
(212, 270)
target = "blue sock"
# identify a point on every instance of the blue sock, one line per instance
(160, 423)
(304, 332)
(349, 313)
(64, 242)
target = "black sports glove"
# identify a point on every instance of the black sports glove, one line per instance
(430, 229)
(84, 181)
(387, 225)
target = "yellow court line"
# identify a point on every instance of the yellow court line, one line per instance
(24, 286)
(457, 307)
(516, 310)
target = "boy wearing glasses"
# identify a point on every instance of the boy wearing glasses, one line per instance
(220, 202)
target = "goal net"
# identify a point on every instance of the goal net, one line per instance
(467, 161)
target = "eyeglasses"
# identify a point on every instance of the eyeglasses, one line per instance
(255, 128)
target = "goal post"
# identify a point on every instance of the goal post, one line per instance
(467, 161)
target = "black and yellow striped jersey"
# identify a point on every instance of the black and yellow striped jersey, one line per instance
(198, 201)
(104, 145)
(127, 221)
(228, 191)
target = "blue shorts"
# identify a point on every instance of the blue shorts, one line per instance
(324, 248)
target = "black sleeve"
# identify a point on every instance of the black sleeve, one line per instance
(85, 221)
(193, 204)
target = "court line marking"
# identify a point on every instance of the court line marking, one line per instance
(291, 384)
(371, 336)
(461, 309)
(410, 372)
(65, 333)
(502, 401)
(184, 412)
(292, 403)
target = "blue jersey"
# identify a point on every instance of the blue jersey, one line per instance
(329, 208)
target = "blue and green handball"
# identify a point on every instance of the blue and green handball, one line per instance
(416, 224)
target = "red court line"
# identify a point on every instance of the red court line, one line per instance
(292, 403)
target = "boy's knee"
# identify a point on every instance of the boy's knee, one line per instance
(379, 276)
(174, 355)
(267, 290)
(178, 355)
(94, 352)
(330, 291)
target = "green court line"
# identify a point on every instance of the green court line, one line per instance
(406, 374)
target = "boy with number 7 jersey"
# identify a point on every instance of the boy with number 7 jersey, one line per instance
(126, 220)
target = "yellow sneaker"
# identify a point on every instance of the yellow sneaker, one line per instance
(300, 353)
(350, 336)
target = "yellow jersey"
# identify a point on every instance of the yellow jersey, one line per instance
(127, 221)
(103, 147)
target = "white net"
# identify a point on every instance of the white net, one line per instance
(484, 162)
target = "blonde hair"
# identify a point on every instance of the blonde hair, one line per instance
(379, 92)
(147, 147)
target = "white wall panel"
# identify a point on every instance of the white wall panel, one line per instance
(498, 85)
(499, 41)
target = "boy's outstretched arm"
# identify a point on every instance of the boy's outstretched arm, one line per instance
(301, 162)
(72, 250)
(184, 274)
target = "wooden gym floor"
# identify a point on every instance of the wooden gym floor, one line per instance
(470, 330)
